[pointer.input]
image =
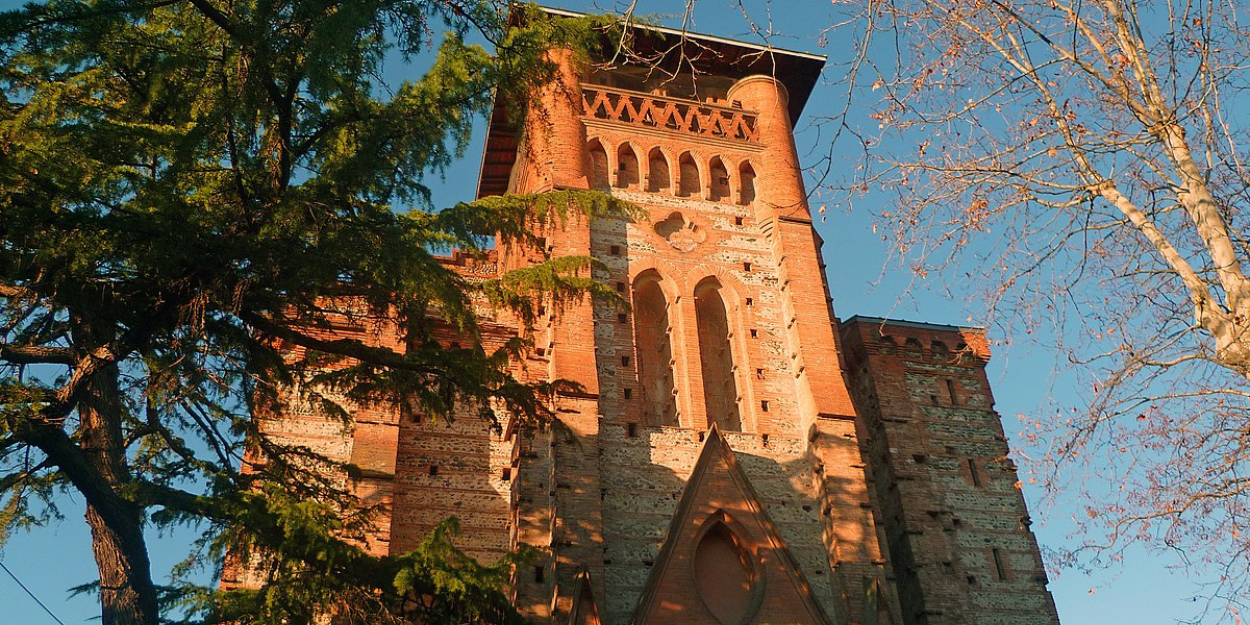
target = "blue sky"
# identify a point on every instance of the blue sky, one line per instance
(1025, 376)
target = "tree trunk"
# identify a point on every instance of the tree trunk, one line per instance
(127, 594)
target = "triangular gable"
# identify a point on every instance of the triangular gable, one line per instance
(722, 561)
(584, 611)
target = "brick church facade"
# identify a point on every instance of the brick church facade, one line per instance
(738, 453)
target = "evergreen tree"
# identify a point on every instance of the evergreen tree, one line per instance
(188, 189)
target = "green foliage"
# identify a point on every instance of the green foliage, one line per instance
(191, 192)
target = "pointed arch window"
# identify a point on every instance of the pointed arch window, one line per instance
(719, 187)
(652, 340)
(626, 167)
(746, 184)
(658, 177)
(598, 166)
(689, 183)
(720, 389)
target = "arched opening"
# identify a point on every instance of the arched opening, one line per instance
(724, 575)
(626, 167)
(746, 184)
(658, 177)
(719, 187)
(689, 184)
(654, 352)
(598, 166)
(720, 389)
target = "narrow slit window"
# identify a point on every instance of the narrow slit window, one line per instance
(998, 564)
(972, 470)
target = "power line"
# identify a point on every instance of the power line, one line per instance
(32, 595)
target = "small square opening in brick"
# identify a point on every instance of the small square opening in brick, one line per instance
(507, 474)
(764, 405)
(920, 458)
(624, 361)
(755, 334)
(620, 287)
(615, 250)
(631, 430)
(737, 221)
(433, 470)
(629, 393)
(746, 267)
(622, 317)
(750, 302)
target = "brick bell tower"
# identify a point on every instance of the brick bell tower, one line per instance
(737, 454)
(718, 467)
(711, 472)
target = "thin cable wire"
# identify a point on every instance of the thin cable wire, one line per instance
(32, 595)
